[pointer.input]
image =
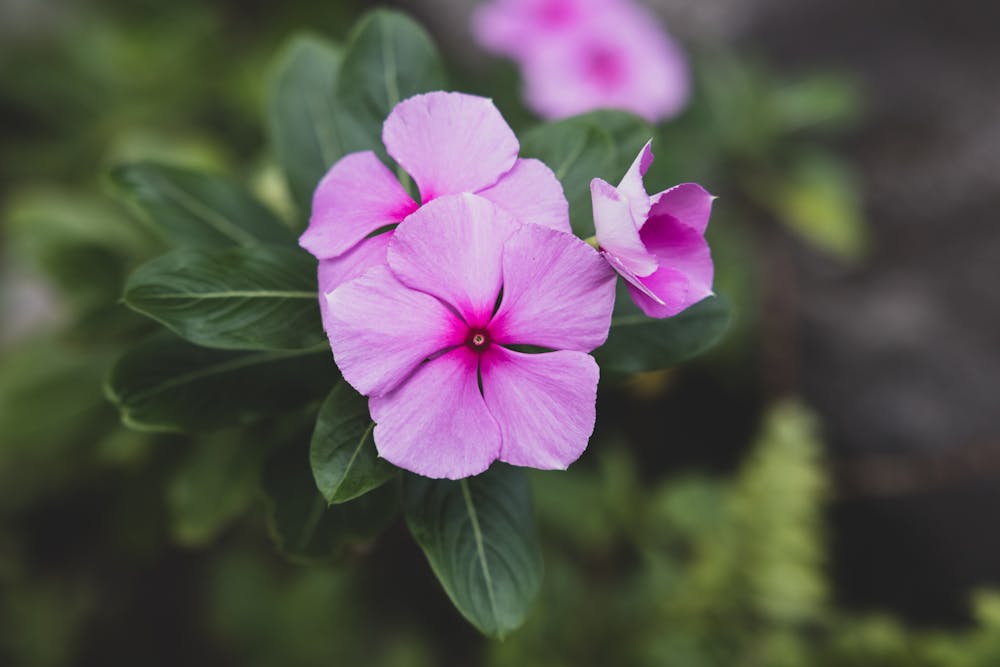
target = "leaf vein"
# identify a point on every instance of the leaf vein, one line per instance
(480, 550)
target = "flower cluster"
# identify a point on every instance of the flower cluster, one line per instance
(467, 319)
(580, 55)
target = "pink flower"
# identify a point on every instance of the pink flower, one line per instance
(427, 337)
(656, 243)
(449, 143)
(582, 55)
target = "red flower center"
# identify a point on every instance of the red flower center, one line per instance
(478, 340)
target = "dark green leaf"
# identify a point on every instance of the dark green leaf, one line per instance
(638, 343)
(388, 58)
(595, 145)
(480, 538)
(344, 461)
(193, 209)
(166, 384)
(253, 298)
(304, 526)
(213, 484)
(303, 116)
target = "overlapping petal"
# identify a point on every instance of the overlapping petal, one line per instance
(380, 330)
(663, 293)
(356, 197)
(333, 273)
(451, 248)
(532, 194)
(437, 424)
(557, 292)
(617, 231)
(690, 203)
(678, 246)
(544, 404)
(450, 142)
(632, 187)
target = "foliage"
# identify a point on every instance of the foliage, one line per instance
(113, 539)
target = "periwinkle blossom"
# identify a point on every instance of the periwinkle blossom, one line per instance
(581, 55)
(657, 243)
(428, 338)
(448, 143)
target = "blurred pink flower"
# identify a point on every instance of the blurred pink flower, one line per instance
(581, 55)
(449, 143)
(657, 243)
(427, 337)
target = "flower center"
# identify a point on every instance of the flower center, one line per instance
(478, 340)
(605, 66)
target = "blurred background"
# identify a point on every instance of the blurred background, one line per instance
(821, 489)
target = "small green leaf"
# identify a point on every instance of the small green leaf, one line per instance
(388, 58)
(480, 538)
(166, 384)
(638, 343)
(823, 100)
(601, 144)
(307, 528)
(820, 202)
(303, 116)
(345, 464)
(253, 298)
(192, 209)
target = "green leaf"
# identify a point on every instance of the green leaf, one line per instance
(192, 209)
(388, 58)
(304, 118)
(253, 298)
(824, 100)
(638, 343)
(83, 244)
(344, 462)
(601, 144)
(213, 485)
(307, 528)
(480, 538)
(166, 384)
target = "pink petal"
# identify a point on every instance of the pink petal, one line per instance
(672, 290)
(617, 230)
(690, 203)
(380, 330)
(356, 197)
(544, 404)
(557, 292)
(335, 272)
(450, 142)
(680, 247)
(629, 276)
(632, 187)
(436, 423)
(451, 248)
(532, 194)
(499, 27)
(520, 27)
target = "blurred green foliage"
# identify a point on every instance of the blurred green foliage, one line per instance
(119, 547)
